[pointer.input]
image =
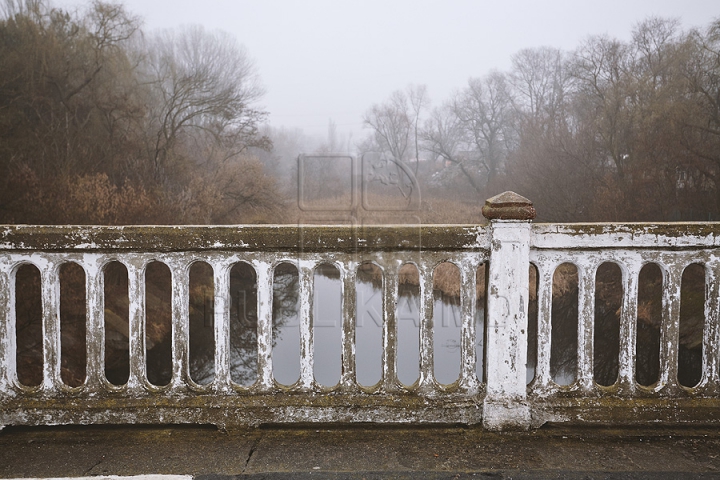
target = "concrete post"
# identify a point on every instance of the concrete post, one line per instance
(505, 405)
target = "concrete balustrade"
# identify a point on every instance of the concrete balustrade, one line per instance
(509, 245)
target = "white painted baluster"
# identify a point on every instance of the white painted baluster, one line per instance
(264, 273)
(221, 272)
(628, 328)
(468, 355)
(8, 332)
(586, 321)
(50, 279)
(543, 378)
(95, 333)
(390, 341)
(426, 381)
(306, 270)
(180, 323)
(670, 327)
(136, 296)
(348, 273)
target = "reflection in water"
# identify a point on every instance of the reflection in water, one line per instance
(368, 335)
(117, 321)
(692, 325)
(286, 326)
(447, 324)
(28, 326)
(243, 324)
(608, 308)
(72, 324)
(368, 332)
(407, 314)
(564, 318)
(327, 325)
(158, 323)
(649, 318)
(608, 302)
(447, 331)
(408, 334)
(368, 325)
(201, 351)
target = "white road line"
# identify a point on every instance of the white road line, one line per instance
(115, 477)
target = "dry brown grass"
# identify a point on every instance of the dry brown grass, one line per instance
(446, 278)
(381, 210)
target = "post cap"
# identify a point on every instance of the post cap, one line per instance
(508, 206)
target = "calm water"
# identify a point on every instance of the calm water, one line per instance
(368, 331)
(368, 336)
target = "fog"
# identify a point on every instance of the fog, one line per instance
(322, 60)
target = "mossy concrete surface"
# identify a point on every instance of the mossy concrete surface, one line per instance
(242, 238)
(360, 451)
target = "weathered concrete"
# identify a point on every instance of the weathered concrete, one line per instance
(222, 402)
(507, 298)
(510, 244)
(241, 238)
(508, 206)
(360, 452)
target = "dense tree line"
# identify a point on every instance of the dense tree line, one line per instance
(612, 131)
(103, 123)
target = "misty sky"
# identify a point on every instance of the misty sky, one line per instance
(323, 59)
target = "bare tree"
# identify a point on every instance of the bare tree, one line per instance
(701, 135)
(392, 124)
(419, 100)
(442, 134)
(540, 80)
(484, 110)
(205, 83)
(444, 137)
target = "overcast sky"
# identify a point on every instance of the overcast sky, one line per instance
(323, 59)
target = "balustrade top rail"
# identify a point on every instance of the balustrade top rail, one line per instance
(244, 238)
(497, 397)
(344, 238)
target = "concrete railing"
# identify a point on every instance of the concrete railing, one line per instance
(671, 248)
(508, 245)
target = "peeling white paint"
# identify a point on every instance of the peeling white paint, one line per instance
(503, 402)
(116, 477)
